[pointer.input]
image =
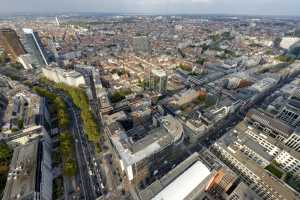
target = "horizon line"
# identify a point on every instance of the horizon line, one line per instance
(141, 13)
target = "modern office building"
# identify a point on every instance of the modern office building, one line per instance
(158, 80)
(275, 128)
(291, 111)
(59, 75)
(294, 140)
(289, 161)
(35, 48)
(265, 149)
(10, 41)
(247, 150)
(270, 125)
(193, 180)
(264, 84)
(139, 150)
(30, 175)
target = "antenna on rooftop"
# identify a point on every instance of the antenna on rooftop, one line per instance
(57, 21)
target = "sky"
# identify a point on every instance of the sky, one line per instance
(252, 7)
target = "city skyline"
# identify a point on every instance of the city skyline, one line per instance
(234, 7)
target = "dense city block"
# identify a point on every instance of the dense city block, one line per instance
(141, 107)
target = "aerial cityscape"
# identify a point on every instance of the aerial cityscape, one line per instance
(155, 100)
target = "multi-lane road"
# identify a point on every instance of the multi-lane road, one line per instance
(88, 178)
(89, 173)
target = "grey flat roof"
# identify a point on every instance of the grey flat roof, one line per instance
(258, 149)
(244, 192)
(21, 179)
(242, 127)
(157, 186)
(270, 122)
(152, 136)
(156, 139)
(267, 179)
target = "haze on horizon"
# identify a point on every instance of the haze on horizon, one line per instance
(251, 7)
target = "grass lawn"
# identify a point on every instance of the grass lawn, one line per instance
(274, 170)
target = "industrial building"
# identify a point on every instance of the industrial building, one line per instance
(290, 113)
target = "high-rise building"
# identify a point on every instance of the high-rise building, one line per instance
(34, 46)
(158, 80)
(10, 41)
(139, 151)
(141, 44)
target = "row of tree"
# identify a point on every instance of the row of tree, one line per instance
(66, 142)
(120, 95)
(3, 58)
(80, 99)
(67, 149)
